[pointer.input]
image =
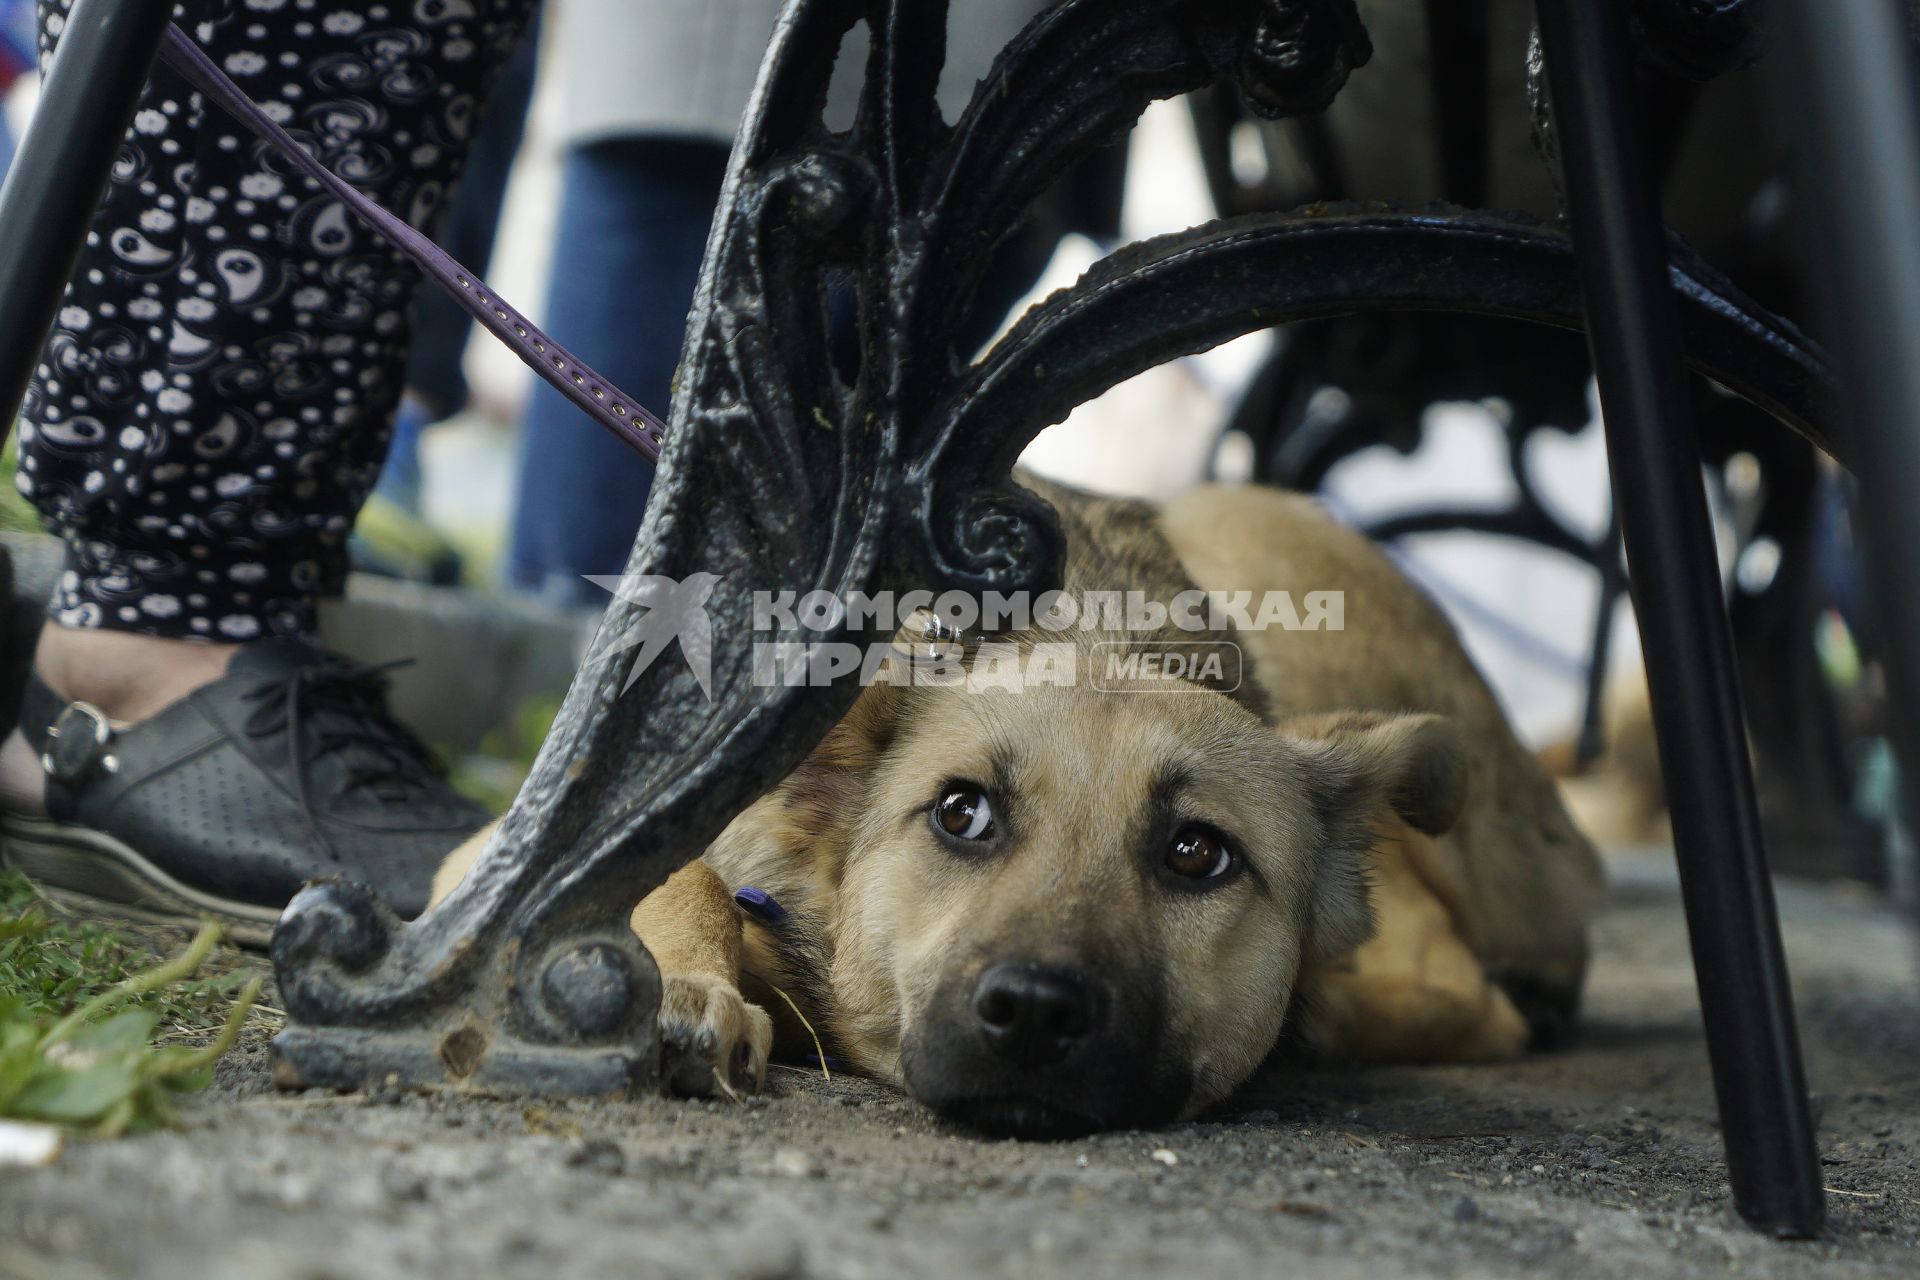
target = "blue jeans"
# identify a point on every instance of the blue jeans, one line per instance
(634, 215)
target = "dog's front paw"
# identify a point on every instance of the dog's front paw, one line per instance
(715, 1041)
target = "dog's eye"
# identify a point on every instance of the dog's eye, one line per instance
(965, 814)
(1198, 854)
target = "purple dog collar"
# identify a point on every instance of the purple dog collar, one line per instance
(760, 904)
(617, 412)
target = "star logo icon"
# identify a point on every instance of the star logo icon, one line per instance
(676, 609)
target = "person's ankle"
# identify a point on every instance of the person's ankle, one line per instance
(130, 677)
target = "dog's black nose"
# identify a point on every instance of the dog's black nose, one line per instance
(1034, 1016)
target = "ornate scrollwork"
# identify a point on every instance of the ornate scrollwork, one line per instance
(1299, 55)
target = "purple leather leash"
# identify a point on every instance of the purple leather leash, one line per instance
(600, 399)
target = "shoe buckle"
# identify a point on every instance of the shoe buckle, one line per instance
(77, 744)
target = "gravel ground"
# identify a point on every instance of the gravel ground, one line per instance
(1601, 1161)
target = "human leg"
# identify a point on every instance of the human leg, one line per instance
(210, 411)
(633, 226)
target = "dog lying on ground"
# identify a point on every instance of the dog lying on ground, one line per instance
(1064, 909)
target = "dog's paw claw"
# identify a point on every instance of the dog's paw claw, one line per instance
(716, 1043)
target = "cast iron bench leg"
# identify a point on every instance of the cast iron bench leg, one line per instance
(1655, 458)
(1849, 108)
(61, 170)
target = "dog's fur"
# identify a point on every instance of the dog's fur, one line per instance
(1408, 885)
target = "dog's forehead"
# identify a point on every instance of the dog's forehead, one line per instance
(1118, 748)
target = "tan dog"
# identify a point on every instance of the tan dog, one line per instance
(1060, 908)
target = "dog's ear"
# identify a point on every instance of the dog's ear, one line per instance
(1360, 766)
(1414, 765)
(829, 783)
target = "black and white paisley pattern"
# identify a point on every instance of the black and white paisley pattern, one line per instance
(216, 398)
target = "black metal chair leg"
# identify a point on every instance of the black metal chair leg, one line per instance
(61, 171)
(1856, 134)
(1655, 456)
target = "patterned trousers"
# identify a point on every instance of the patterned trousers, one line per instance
(215, 401)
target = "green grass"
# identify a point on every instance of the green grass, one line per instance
(493, 774)
(94, 1034)
(16, 513)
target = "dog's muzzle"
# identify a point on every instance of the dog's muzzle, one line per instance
(1037, 1017)
(1033, 1050)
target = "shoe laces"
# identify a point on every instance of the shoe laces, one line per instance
(336, 707)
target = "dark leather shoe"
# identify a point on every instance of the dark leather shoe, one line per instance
(287, 769)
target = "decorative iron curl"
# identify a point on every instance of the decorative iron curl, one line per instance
(1298, 56)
